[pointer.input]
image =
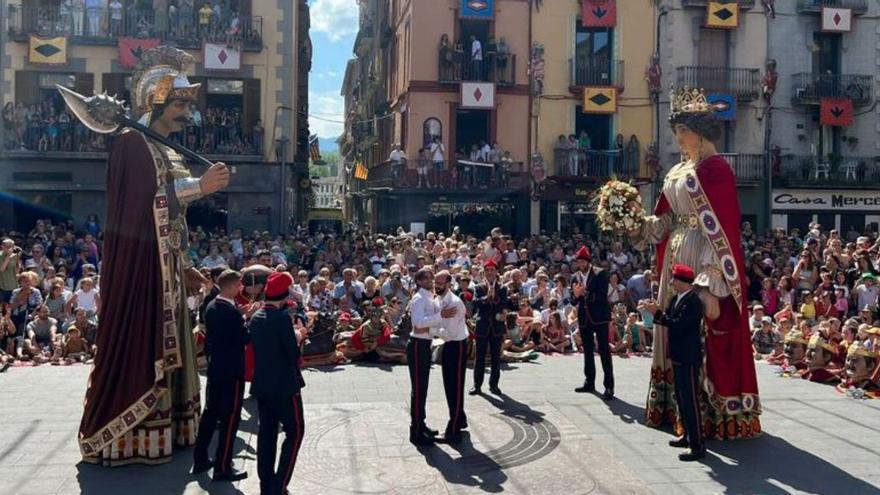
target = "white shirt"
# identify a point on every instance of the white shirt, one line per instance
(437, 150)
(477, 50)
(87, 300)
(680, 296)
(397, 156)
(455, 328)
(425, 312)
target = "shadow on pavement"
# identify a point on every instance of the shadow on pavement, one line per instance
(628, 413)
(771, 465)
(512, 408)
(142, 479)
(473, 468)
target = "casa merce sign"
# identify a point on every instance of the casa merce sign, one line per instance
(792, 199)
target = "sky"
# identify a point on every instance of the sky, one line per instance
(334, 26)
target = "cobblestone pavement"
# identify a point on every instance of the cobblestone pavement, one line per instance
(539, 437)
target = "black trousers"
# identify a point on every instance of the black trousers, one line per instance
(493, 344)
(275, 411)
(454, 365)
(223, 407)
(418, 360)
(601, 334)
(686, 378)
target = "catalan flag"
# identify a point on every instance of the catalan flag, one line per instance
(315, 149)
(360, 171)
(52, 51)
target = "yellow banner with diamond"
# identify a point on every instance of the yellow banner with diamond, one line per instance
(722, 15)
(52, 51)
(600, 99)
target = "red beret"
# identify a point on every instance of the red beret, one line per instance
(583, 254)
(378, 301)
(490, 264)
(345, 317)
(278, 284)
(683, 273)
(467, 295)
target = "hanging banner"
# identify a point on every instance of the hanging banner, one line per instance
(477, 95)
(598, 13)
(722, 15)
(49, 51)
(836, 20)
(600, 99)
(360, 171)
(837, 112)
(131, 49)
(724, 106)
(477, 9)
(219, 56)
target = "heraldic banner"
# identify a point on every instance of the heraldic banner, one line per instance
(50, 51)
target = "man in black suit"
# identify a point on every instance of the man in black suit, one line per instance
(490, 302)
(590, 295)
(277, 383)
(682, 318)
(225, 339)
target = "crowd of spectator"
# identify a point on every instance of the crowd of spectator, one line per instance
(50, 126)
(186, 21)
(818, 283)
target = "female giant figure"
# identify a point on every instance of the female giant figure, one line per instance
(696, 223)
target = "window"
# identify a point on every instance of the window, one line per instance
(430, 129)
(48, 81)
(593, 54)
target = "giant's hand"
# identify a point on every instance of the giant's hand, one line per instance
(214, 179)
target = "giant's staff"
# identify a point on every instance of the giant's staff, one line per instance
(105, 114)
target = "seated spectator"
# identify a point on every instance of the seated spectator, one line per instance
(554, 335)
(40, 341)
(766, 341)
(519, 329)
(88, 329)
(86, 297)
(74, 348)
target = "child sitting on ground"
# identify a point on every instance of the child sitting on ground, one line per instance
(554, 337)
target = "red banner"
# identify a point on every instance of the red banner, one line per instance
(130, 50)
(598, 13)
(837, 112)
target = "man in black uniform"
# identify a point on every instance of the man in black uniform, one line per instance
(490, 302)
(225, 339)
(277, 383)
(682, 318)
(590, 295)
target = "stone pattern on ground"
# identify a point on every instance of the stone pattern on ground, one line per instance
(539, 437)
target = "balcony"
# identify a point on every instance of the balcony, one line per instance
(858, 6)
(95, 27)
(743, 4)
(748, 168)
(70, 139)
(456, 176)
(812, 171)
(587, 71)
(595, 165)
(744, 84)
(455, 66)
(809, 89)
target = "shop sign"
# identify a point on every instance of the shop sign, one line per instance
(818, 200)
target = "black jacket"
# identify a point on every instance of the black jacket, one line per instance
(683, 321)
(276, 354)
(593, 307)
(487, 308)
(225, 338)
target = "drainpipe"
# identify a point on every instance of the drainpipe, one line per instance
(532, 122)
(655, 186)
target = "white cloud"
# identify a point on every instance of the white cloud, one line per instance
(337, 19)
(326, 111)
(327, 74)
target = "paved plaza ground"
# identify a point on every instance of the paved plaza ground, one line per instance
(539, 437)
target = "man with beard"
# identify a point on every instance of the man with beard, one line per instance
(491, 302)
(426, 319)
(455, 333)
(143, 397)
(590, 291)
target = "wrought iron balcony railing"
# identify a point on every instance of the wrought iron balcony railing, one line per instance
(596, 165)
(809, 89)
(744, 84)
(858, 6)
(456, 66)
(588, 71)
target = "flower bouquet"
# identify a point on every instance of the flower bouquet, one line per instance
(619, 207)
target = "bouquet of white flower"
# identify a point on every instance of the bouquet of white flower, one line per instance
(620, 207)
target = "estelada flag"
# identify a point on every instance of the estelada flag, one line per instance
(48, 51)
(131, 49)
(837, 112)
(360, 171)
(599, 13)
(600, 99)
(723, 15)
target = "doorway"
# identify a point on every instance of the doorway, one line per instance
(480, 30)
(598, 127)
(471, 127)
